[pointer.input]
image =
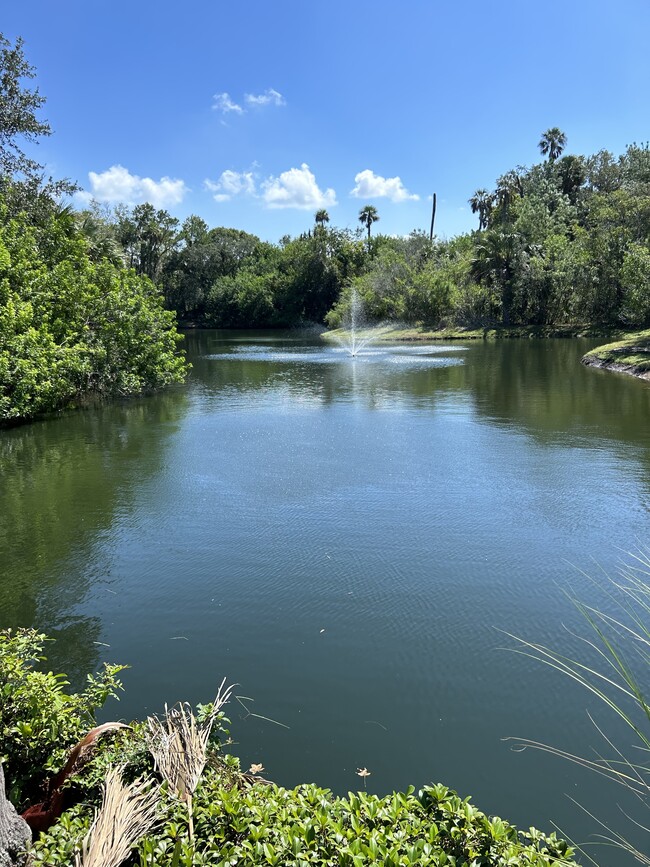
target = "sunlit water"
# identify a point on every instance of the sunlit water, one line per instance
(348, 540)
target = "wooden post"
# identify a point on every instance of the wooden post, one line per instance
(433, 217)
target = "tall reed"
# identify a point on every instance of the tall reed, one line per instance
(619, 676)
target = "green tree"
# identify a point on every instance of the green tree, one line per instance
(572, 174)
(635, 277)
(202, 257)
(148, 238)
(367, 216)
(321, 217)
(157, 235)
(99, 233)
(193, 231)
(70, 326)
(18, 107)
(552, 142)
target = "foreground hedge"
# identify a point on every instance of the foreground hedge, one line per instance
(239, 819)
(266, 824)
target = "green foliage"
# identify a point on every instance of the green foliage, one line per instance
(225, 278)
(564, 242)
(148, 238)
(18, 107)
(635, 281)
(39, 720)
(243, 300)
(266, 824)
(64, 838)
(72, 325)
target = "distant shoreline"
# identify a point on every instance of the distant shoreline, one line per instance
(414, 333)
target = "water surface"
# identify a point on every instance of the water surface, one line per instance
(346, 539)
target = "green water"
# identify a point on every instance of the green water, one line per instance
(345, 539)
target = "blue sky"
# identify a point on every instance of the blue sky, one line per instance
(255, 114)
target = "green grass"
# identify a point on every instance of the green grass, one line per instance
(630, 354)
(494, 332)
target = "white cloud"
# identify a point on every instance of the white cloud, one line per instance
(269, 97)
(118, 185)
(224, 104)
(296, 188)
(231, 184)
(372, 186)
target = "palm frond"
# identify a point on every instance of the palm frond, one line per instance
(178, 743)
(127, 813)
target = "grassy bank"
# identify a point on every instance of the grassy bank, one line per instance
(411, 333)
(631, 354)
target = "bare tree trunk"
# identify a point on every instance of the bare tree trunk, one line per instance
(433, 217)
(15, 835)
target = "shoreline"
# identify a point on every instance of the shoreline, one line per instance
(492, 332)
(631, 356)
(617, 367)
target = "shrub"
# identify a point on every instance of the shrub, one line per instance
(39, 720)
(267, 824)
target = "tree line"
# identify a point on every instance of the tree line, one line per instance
(565, 241)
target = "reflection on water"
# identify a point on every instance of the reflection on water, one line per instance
(344, 538)
(64, 482)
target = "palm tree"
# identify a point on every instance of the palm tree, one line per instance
(100, 238)
(508, 186)
(497, 262)
(367, 216)
(552, 142)
(321, 217)
(481, 204)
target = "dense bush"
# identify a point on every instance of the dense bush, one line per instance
(39, 720)
(71, 327)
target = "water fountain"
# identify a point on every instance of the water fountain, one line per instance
(356, 335)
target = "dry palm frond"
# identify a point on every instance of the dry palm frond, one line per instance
(179, 744)
(127, 813)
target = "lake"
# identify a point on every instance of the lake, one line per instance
(348, 540)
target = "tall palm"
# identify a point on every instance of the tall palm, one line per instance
(321, 217)
(508, 187)
(497, 262)
(481, 203)
(367, 216)
(552, 142)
